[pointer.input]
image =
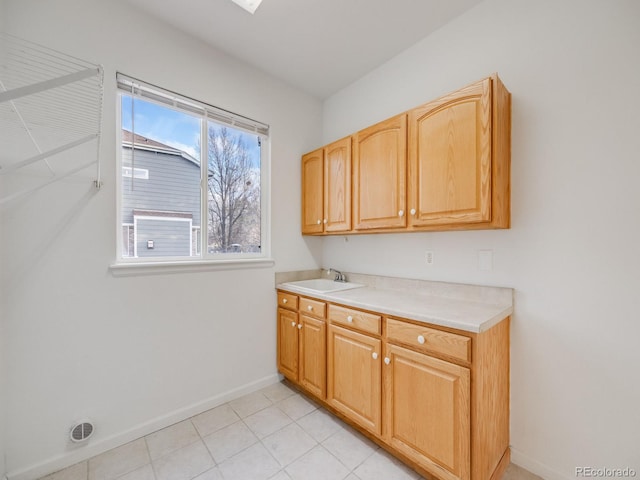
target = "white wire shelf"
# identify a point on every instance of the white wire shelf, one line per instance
(50, 114)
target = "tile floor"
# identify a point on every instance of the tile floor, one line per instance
(274, 433)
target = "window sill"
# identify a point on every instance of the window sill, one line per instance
(154, 268)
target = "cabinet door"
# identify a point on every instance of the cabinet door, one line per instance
(313, 355)
(354, 377)
(288, 344)
(312, 192)
(337, 186)
(427, 411)
(450, 158)
(379, 171)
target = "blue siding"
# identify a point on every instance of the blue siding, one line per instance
(171, 238)
(173, 185)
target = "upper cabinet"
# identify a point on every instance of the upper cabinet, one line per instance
(312, 192)
(326, 189)
(444, 165)
(459, 159)
(379, 173)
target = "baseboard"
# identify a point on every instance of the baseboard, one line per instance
(71, 458)
(535, 466)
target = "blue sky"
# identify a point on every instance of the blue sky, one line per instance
(174, 128)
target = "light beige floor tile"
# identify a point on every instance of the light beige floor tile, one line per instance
(208, 422)
(267, 421)
(318, 464)
(515, 472)
(171, 438)
(250, 404)
(382, 466)
(352, 476)
(254, 463)
(289, 443)
(228, 441)
(296, 406)
(119, 461)
(79, 471)
(350, 447)
(213, 474)
(320, 424)
(185, 463)
(142, 473)
(277, 391)
(281, 475)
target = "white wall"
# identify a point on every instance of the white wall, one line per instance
(3, 389)
(135, 352)
(572, 253)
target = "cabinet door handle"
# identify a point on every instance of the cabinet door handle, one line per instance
(387, 360)
(401, 213)
(374, 355)
(413, 211)
(293, 324)
(420, 339)
(310, 308)
(325, 220)
(349, 319)
(284, 300)
(318, 222)
(299, 326)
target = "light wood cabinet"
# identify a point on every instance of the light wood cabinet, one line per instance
(379, 173)
(302, 342)
(444, 165)
(427, 411)
(459, 159)
(436, 397)
(354, 382)
(288, 343)
(312, 192)
(326, 188)
(337, 186)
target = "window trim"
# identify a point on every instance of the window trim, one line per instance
(205, 260)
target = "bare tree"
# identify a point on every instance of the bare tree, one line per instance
(234, 192)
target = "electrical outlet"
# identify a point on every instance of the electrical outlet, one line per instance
(428, 257)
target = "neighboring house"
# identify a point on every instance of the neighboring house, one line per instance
(160, 199)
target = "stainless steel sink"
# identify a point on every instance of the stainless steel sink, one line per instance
(321, 285)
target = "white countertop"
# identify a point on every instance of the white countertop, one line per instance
(464, 307)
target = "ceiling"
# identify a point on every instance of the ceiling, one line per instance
(318, 46)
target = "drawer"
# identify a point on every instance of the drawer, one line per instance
(428, 339)
(366, 322)
(315, 308)
(288, 300)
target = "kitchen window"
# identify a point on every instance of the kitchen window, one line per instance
(193, 180)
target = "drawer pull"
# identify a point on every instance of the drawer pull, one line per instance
(349, 319)
(284, 300)
(299, 326)
(387, 360)
(310, 308)
(374, 355)
(420, 339)
(293, 324)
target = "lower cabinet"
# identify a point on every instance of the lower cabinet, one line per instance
(436, 398)
(354, 371)
(288, 343)
(312, 355)
(302, 342)
(427, 411)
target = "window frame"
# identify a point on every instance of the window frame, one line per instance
(206, 113)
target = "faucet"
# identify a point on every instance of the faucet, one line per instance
(340, 277)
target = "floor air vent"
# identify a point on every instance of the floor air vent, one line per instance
(81, 432)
